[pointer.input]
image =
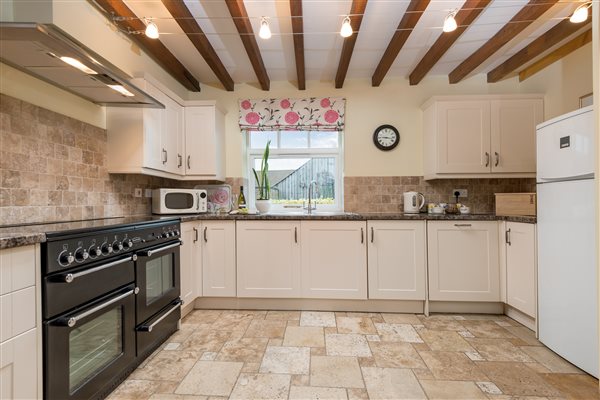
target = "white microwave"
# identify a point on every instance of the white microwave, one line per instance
(179, 201)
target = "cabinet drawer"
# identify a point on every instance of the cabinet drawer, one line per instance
(18, 312)
(17, 268)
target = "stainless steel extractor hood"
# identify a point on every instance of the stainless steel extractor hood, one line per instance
(48, 53)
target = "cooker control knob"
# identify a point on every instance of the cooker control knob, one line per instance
(165, 234)
(176, 232)
(65, 258)
(81, 254)
(106, 249)
(117, 246)
(127, 244)
(94, 252)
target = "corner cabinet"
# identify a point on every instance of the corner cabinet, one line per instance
(204, 141)
(521, 267)
(481, 136)
(334, 259)
(397, 260)
(463, 261)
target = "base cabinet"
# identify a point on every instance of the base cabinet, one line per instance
(268, 256)
(521, 266)
(334, 259)
(397, 267)
(19, 360)
(218, 259)
(191, 262)
(463, 261)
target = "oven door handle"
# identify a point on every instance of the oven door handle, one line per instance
(149, 253)
(68, 278)
(148, 328)
(71, 321)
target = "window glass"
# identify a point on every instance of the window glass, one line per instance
(293, 140)
(323, 140)
(259, 139)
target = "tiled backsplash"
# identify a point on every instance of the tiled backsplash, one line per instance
(384, 194)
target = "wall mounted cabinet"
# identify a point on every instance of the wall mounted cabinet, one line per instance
(481, 136)
(204, 141)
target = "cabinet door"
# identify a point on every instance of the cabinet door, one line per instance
(464, 137)
(173, 137)
(334, 259)
(268, 256)
(200, 138)
(396, 260)
(19, 367)
(521, 267)
(155, 126)
(218, 259)
(463, 261)
(513, 130)
(191, 262)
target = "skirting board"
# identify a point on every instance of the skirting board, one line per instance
(233, 303)
(521, 318)
(464, 307)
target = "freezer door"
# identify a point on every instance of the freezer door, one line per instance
(565, 149)
(567, 278)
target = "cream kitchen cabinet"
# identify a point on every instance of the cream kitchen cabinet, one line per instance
(481, 136)
(218, 259)
(268, 254)
(191, 263)
(397, 263)
(20, 322)
(463, 261)
(334, 259)
(521, 267)
(204, 141)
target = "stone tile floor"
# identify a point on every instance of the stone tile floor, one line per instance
(343, 355)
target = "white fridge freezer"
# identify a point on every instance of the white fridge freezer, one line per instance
(567, 276)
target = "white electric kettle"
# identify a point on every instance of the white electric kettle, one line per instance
(412, 203)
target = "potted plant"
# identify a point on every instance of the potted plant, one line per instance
(263, 201)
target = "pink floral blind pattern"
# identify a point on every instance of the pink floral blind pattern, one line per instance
(310, 114)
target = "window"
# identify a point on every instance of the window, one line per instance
(296, 159)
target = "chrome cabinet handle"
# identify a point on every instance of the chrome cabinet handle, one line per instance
(195, 235)
(362, 235)
(188, 162)
(372, 235)
(205, 237)
(507, 237)
(462, 225)
(487, 159)
(68, 278)
(149, 253)
(166, 156)
(72, 321)
(497, 158)
(148, 328)
(296, 234)
(180, 163)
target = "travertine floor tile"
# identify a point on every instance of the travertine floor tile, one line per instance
(232, 322)
(172, 396)
(489, 388)
(398, 333)
(357, 394)
(286, 360)
(396, 355)
(317, 393)
(411, 319)
(487, 329)
(167, 366)
(135, 389)
(202, 317)
(516, 379)
(439, 390)
(355, 325)
(574, 386)
(499, 350)
(317, 318)
(335, 372)
(245, 349)
(525, 334)
(205, 340)
(300, 380)
(266, 329)
(551, 360)
(261, 387)
(347, 345)
(392, 383)
(442, 323)
(452, 366)
(210, 378)
(445, 340)
(304, 336)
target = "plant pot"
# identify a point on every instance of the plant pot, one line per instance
(263, 206)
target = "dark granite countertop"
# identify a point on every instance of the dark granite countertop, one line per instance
(23, 235)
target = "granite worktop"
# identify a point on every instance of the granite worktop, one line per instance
(23, 235)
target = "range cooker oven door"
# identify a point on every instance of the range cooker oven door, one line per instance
(157, 276)
(89, 350)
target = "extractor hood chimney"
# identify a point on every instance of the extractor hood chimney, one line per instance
(50, 54)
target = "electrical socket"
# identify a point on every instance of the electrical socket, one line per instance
(148, 193)
(461, 193)
(137, 192)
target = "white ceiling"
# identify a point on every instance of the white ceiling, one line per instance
(323, 44)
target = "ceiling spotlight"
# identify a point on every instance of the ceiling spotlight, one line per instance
(346, 30)
(151, 29)
(580, 14)
(265, 30)
(449, 22)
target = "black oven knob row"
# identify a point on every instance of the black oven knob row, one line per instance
(127, 244)
(94, 252)
(117, 246)
(65, 258)
(81, 254)
(176, 232)
(106, 248)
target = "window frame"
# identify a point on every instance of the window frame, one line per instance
(256, 154)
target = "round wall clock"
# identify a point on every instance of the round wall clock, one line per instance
(386, 137)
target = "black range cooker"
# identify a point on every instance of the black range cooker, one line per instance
(110, 296)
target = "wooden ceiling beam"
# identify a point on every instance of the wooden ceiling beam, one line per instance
(244, 28)
(558, 33)
(356, 15)
(527, 15)
(413, 13)
(298, 30)
(556, 55)
(127, 21)
(464, 18)
(190, 26)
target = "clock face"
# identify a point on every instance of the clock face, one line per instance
(386, 137)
